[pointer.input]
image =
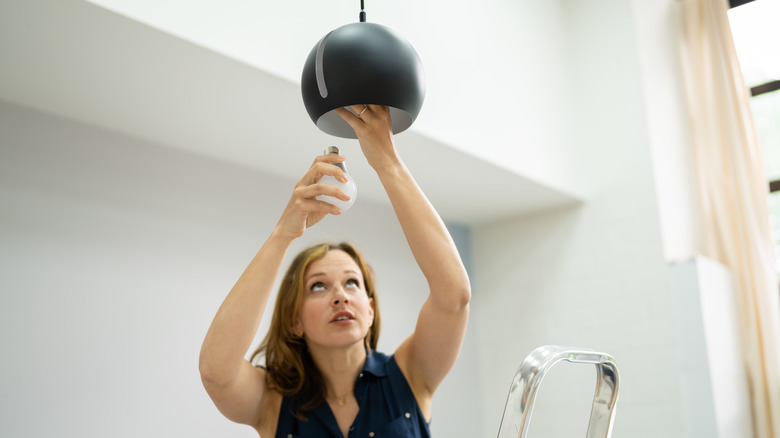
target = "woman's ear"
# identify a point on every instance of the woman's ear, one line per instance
(297, 329)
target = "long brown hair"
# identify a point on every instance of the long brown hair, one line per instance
(290, 369)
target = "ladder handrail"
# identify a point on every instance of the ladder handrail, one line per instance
(525, 385)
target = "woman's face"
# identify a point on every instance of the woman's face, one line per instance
(335, 311)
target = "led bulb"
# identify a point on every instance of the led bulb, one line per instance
(349, 187)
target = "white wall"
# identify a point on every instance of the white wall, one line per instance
(595, 275)
(494, 69)
(495, 73)
(714, 381)
(115, 256)
(658, 33)
(585, 278)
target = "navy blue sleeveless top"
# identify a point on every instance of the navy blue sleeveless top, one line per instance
(388, 408)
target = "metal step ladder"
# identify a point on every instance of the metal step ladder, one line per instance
(525, 385)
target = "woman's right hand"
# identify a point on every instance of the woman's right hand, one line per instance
(303, 210)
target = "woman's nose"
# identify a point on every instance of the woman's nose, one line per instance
(340, 296)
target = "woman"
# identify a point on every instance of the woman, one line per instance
(340, 387)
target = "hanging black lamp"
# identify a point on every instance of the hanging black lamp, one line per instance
(362, 63)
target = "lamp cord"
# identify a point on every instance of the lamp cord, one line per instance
(362, 12)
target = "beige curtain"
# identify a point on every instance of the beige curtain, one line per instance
(733, 192)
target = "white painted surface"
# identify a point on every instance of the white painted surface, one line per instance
(494, 69)
(89, 64)
(713, 378)
(590, 276)
(658, 38)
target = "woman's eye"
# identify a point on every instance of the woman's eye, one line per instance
(353, 283)
(318, 286)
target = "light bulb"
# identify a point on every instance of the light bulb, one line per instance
(349, 187)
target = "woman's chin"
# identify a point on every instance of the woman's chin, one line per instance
(339, 341)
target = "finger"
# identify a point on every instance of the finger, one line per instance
(360, 110)
(306, 203)
(320, 169)
(350, 117)
(323, 165)
(329, 158)
(322, 207)
(314, 218)
(314, 190)
(378, 112)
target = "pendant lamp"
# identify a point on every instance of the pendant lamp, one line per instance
(362, 63)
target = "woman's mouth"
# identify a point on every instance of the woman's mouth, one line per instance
(342, 317)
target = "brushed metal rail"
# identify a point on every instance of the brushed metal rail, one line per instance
(525, 385)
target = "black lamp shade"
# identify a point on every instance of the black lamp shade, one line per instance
(362, 63)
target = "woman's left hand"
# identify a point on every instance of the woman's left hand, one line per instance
(374, 129)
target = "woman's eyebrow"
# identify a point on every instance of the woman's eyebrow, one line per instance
(316, 274)
(323, 274)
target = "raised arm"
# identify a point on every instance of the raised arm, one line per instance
(237, 388)
(428, 355)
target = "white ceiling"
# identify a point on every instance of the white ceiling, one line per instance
(219, 79)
